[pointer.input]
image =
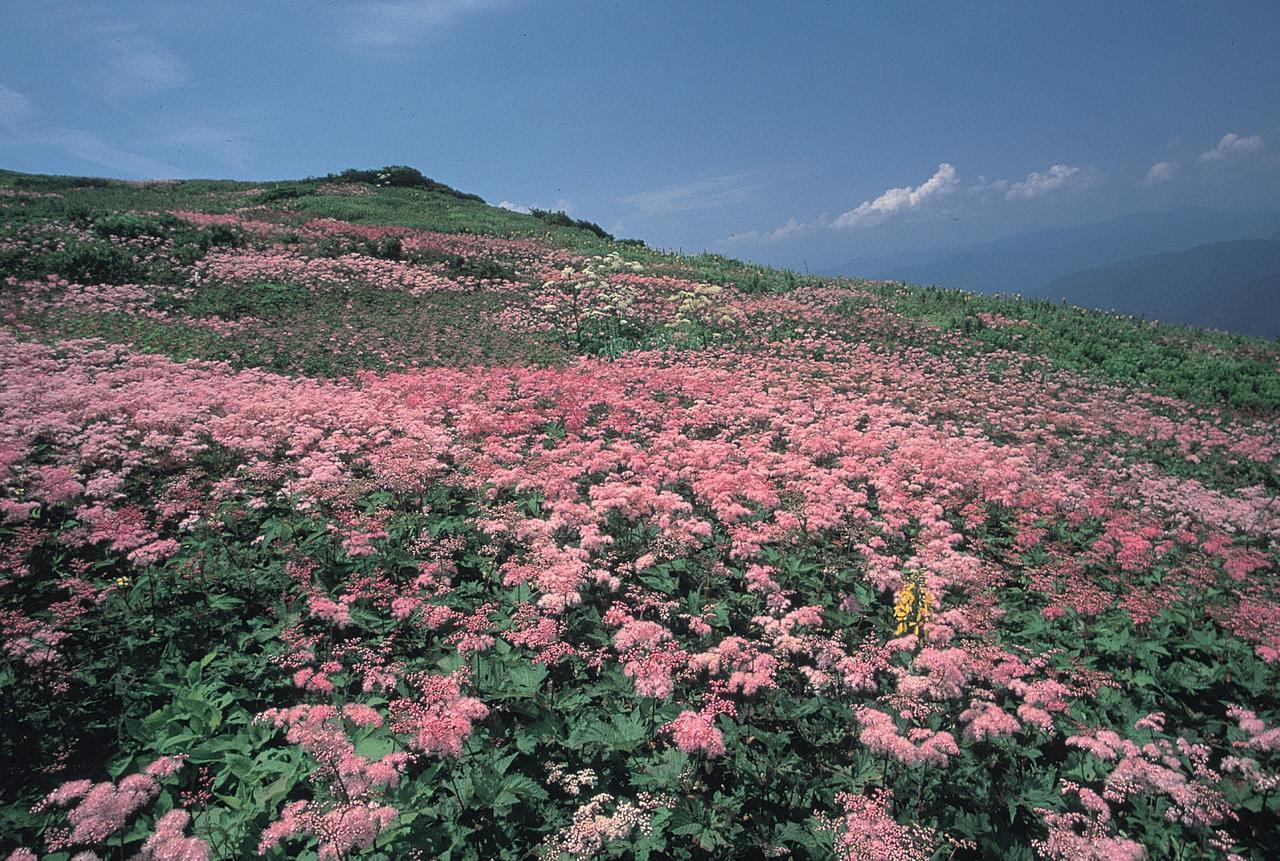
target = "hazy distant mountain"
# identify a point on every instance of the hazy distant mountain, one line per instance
(1027, 263)
(1224, 285)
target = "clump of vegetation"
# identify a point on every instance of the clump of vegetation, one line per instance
(562, 219)
(401, 176)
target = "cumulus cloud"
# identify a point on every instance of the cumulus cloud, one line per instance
(786, 231)
(701, 194)
(1040, 183)
(984, 186)
(945, 181)
(895, 200)
(1161, 171)
(1232, 144)
(560, 205)
(793, 227)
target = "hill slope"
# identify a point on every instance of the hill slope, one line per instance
(342, 519)
(1028, 264)
(1225, 285)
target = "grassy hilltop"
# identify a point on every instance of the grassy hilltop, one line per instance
(351, 517)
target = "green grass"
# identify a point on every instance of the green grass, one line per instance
(1206, 367)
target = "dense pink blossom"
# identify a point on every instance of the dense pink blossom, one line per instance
(170, 843)
(1080, 837)
(696, 732)
(440, 719)
(103, 809)
(866, 831)
(920, 746)
(790, 478)
(339, 829)
(986, 720)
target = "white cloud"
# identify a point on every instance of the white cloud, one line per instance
(895, 200)
(983, 186)
(384, 25)
(701, 194)
(560, 205)
(1056, 177)
(1232, 144)
(1161, 171)
(791, 228)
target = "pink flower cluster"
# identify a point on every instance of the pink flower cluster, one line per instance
(867, 831)
(920, 746)
(441, 719)
(322, 273)
(1178, 771)
(340, 827)
(695, 732)
(103, 809)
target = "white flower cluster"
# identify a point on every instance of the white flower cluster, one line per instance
(588, 297)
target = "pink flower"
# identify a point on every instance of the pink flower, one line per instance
(694, 731)
(1077, 837)
(441, 719)
(168, 843)
(921, 746)
(362, 715)
(987, 720)
(340, 829)
(867, 832)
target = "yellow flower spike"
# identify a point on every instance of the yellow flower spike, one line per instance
(914, 605)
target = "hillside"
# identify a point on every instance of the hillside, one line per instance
(1031, 264)
(1224, 285)
(351, 517)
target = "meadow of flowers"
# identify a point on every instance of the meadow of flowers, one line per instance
(347, 521)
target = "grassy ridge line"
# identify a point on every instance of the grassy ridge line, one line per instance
(1210, 368)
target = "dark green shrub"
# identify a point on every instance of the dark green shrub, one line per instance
(562, 219)
(62, 183)
(93, 263)
(477, 267)
(130, 225)
(401, 176)
(284, 192)
(388, 248)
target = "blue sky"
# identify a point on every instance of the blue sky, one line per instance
(793, 133)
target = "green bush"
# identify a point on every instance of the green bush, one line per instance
(559, 218)
(131, 225)
(284, 192)
(401, 176)
(93, 263)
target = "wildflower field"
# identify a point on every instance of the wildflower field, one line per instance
(352, 518)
